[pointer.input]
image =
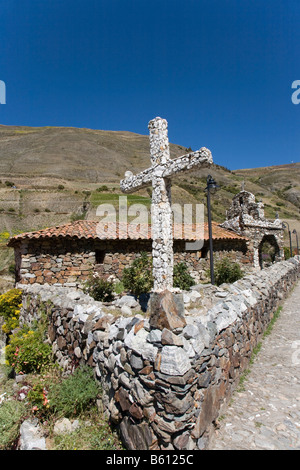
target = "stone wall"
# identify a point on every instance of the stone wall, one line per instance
(163, 388)
(69, 262)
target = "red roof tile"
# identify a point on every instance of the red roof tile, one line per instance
(86, 229)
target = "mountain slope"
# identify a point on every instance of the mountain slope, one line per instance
(73, 154)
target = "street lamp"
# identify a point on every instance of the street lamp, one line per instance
(211, 187)
(295, 232)
(285, 225)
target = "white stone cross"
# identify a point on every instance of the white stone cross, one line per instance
(159, 176)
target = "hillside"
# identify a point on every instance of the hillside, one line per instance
(52, 175)
(73, 154)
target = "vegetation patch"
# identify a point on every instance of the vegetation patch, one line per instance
(99, 289)
(45, 393)
(227, 271)
(10, 304)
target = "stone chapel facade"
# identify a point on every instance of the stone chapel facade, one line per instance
(246, 217)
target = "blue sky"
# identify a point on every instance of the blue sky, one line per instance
(220, 71)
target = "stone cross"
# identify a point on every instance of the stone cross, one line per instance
(159, 175)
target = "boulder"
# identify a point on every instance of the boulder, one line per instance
(166, 311)
(31, 437)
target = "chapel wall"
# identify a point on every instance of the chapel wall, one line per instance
(70, 262)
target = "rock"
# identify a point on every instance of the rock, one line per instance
(122, 397)
(136, 411)
(128, 301)
(62, 426)
(73, 295)
(174, 405)
(154, 336)
(75, 425)
(136, 436)
(180, 442)
(188, 347)
(136, 362)
(225, 318)
(141, 394)
(77, 352)
(168, 337)
(31, 437)
(166, 311)
(221, 294)
(174, 361)
(21, 378)
(197, 344)
(190, 331)
(138, 343)
(194, 295)
(126, 310)
(103, 322)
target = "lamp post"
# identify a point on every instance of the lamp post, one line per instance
(210, 188)
(295, 232)
(286, 225)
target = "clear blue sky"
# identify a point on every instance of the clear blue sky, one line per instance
(220, 71)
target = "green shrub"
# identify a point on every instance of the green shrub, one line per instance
(102, 188)
(27, 352)
(138, 278)
(10, 304)
(119, 287)
(227, 271)
(99, 289)
(181, 277)
(75, 393)
(11, 416)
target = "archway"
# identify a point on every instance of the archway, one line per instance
(268, 251)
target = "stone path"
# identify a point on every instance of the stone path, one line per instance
(266, 415)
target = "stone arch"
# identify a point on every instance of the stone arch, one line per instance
(268, 250)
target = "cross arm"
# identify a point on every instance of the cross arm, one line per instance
(133, 182)
(201, 158)
(188, 162)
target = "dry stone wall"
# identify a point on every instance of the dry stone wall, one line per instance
(163, 388)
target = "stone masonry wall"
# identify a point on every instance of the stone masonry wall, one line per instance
(163, 389)
(69, 263)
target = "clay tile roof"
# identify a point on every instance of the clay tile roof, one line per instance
(86, 229)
